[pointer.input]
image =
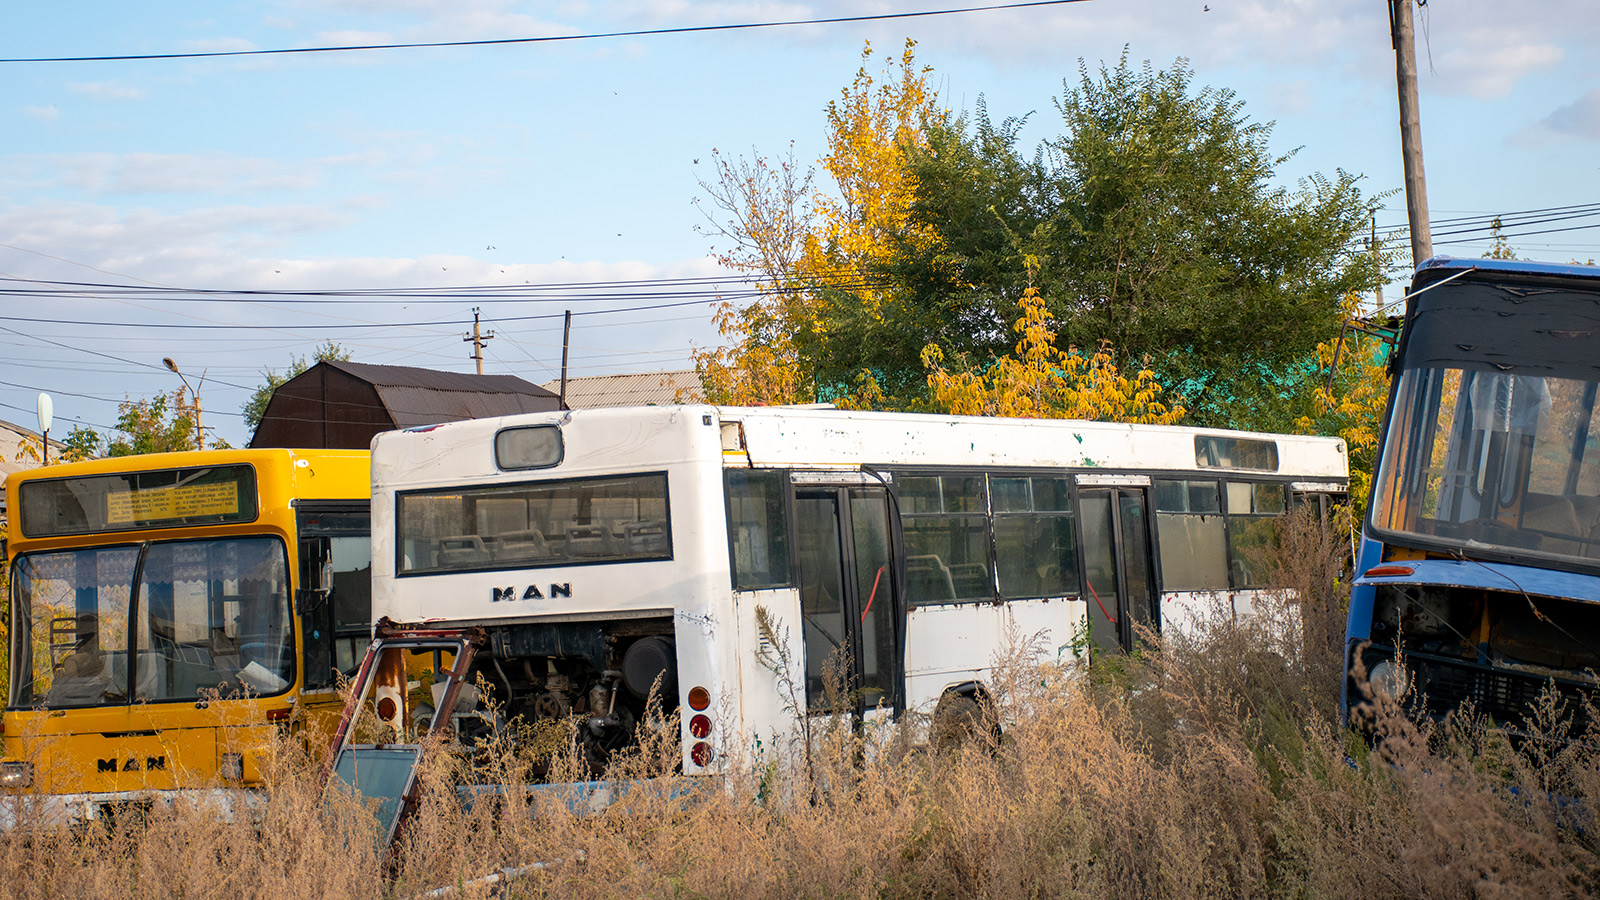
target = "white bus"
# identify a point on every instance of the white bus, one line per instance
(605, 549)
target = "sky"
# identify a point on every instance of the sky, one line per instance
(516, 174)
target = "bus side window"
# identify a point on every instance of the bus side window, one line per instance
(1192, 537)
(758, 531)
(1253, 511)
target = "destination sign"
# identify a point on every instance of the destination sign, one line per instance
(128, 501)
(182, 502)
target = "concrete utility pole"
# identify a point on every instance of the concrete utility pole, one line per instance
(1405, 68)
(477, 340)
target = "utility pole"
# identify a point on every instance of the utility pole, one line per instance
(477, 340)
(566, 343)
(1405, 67)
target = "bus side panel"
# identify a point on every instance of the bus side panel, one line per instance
(953, 644)
(772, 671)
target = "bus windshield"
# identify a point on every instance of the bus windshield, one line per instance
(1493, 442)
(179, 620)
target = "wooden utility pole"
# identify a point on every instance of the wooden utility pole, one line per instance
(566, 342)
(477, 340)
(1405, 68)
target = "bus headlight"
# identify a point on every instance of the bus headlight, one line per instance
(16, 774)
(1390, 679)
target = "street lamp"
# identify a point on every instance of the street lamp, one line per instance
(199, 433)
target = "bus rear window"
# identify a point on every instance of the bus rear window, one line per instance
(132, 501)
(533, 524)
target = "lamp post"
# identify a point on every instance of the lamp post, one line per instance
(199, 433)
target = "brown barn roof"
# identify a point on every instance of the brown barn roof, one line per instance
(344, 404)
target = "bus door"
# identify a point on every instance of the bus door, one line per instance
(1117, 571)
(848, 604)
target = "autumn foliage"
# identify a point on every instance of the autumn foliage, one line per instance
(1045, 382)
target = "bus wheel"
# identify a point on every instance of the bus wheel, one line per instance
(960, 717)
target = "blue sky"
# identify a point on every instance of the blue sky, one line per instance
(578, 161)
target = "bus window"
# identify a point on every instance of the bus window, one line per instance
(946, 537)
(1253, 511)
(1191, 534)
(758, 533)
(213, 616)
(1035, 538)
(335, 628)
(529, 525)
(74, 606)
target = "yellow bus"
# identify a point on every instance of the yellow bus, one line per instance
(168, 611)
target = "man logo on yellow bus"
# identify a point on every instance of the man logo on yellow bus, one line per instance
(532, 592)
(132, 764)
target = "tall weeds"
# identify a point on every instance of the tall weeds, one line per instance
(1210, 764)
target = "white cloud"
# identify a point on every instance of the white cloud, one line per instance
(1580, 118)
(106, 90)
(43, 113)
(1487, 63)
(177, 173)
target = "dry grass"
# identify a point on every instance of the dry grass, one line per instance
(1211, 766)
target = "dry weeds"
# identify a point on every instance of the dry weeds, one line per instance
(1211, 765)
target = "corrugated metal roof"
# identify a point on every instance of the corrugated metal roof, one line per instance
(433, 379)
(410, 406)
(636, 389)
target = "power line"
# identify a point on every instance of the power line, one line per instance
(546, 39)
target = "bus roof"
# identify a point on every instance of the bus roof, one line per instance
(348, 465)
(810, 437)
(1445, 264)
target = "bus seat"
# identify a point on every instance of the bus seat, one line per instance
(462, 549)
(588, 540)
(929, 579)
(84, 677)
(972, 580)
(642, 538)
(1551, 514)
(1554, 518)
(526, 544)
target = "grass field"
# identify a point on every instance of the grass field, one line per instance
(1210, 766)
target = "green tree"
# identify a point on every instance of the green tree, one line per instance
(160, 424)
(1154, 222)
(812, 247)
(256, 406)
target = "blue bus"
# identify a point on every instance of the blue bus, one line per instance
(1479, 568)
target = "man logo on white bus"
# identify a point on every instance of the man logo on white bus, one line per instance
(532, 592)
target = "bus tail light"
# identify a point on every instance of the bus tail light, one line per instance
(700, 726)
(701, 754)
(16, 774)
(699, 698)
(279, 715)
(1389, 571)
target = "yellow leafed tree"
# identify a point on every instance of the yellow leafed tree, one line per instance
(1352, 403)
(804, 243)
(1044, 382)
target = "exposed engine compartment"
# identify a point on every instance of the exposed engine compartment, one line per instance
(1541, 635)
(597, 676)
(1498, 651)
